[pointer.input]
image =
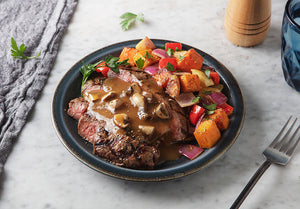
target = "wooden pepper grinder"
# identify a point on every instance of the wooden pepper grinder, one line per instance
(247, 22)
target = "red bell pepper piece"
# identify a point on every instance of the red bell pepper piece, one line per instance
(215, 77)
(196, 113)
(174, 46)
(227, 108)
(163, 63)
(102, 68)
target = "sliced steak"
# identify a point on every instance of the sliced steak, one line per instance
(77, 107)
(121, 150)
(130, 147)
(179, 123)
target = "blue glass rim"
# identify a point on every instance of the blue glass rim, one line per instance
(289, 15)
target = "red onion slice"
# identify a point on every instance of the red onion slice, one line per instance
(190, 151)
(185, 99)
(152, 69)
(218, 97)
(161, 53)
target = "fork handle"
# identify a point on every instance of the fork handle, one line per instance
(254, 179)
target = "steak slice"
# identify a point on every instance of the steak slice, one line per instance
(121, 150)
(77, 107)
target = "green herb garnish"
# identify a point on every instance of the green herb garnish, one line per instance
(181, 57)
(140, 63)
(207, 92)
(196, 99)
(18, 53)
(170, 67)
(86, 71)
(113, 63)
(147, 55)
(130, 19)
(170, 52)
(110, 61)
(210, 108)
(207, 73)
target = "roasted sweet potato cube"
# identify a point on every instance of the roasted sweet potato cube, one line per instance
(189, 60)
(128, 53)
(147, 56)
(190, 83)
(145, 44)
(207, 134)
(221, 119)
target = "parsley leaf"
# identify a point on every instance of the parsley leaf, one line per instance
(207, 73)
(18, 53)
(170, 67)
(86, 71)
(113, 63)
(140, 63)
(130, 19)
(110, 61)
(207, 92)
(170, 52)
(147, 55)
(196, 99)
(181, 57)
(211, 107)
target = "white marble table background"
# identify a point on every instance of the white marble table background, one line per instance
(41, 173)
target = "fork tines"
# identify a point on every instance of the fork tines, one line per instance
(288, 138)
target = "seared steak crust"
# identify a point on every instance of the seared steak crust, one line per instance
(121, 150)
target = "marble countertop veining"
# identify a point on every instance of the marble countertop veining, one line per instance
(41, 173)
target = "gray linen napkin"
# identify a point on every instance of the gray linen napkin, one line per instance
(40, 25)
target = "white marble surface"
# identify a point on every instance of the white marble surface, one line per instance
(41, 173)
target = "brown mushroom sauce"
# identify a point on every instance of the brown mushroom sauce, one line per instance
(127, 109)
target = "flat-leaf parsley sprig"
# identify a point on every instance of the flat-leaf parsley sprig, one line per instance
(18, 53)
(110, 61)
(130, 19)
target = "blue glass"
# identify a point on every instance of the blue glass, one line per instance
(290, 48)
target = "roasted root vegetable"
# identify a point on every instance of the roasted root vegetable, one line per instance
(147, 58)
(190, 83)
(173, 86)
(221, 119)
(128, 53)
(189, 60)
(204, 80)
(207, 134)
(145, 44)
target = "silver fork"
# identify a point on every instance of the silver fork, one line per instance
(279, 152)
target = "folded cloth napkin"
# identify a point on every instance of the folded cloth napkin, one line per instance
(40, 25)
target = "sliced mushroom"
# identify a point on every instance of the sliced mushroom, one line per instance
(114, 104)
(148, 130)
(136, 88)
(138, 101)
(110, 95)
(121, 120)
(93, 96)
(161, 111)
(133, 88)
(144, 116)
(148, 96)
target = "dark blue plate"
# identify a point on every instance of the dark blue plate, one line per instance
(66, 127)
